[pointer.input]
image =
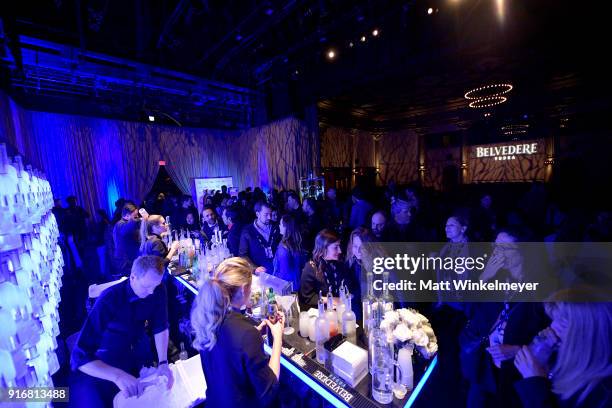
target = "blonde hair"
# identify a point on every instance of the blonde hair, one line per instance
(364, 235)
(146, 228)
(214, 298)
(585, 356)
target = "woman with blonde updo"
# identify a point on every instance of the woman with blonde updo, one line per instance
(238, 372)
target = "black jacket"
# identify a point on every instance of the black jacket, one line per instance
(154, 246)
(126, 236)
(334, 273)
(524, 322)
(253, 246)
(233, 238)
(236, 369)
(209, 231)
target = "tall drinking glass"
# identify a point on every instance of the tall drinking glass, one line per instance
(304, 322)
(286, 302)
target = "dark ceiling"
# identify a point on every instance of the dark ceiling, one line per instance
(412, 75)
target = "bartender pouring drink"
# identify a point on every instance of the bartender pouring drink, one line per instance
(238, 372)
(113, 344)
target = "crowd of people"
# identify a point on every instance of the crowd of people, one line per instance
(316, 245)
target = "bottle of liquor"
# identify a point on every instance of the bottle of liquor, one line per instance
(183, 355)
(382, 365)
(321, 332)
(331, 315)
(349, 322)
(191, 253)
(387, 299)
(374, 332)
(272, 296)
(195, 266)
(341, 307)
(181, 256)
(367, 303)
(271, 313)
(264, 301)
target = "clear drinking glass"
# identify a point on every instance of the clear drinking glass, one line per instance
(303, 324)
(286, 302)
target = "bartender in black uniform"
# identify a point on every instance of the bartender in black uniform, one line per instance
(152, 229)
(237, 370)
(113, 344)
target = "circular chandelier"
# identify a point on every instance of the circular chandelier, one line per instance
(487, 102)
(488, 96)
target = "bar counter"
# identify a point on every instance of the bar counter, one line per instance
(299, 360)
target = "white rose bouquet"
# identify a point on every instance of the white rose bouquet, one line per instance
(409, 328)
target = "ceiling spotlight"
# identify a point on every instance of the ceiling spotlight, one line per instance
(430, 11)
(151, 118)
(331, 54)
(363, 38)
(375, 33)
(351, 44)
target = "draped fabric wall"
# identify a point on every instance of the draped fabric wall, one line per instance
(399, 156)
(92, 159)
(437, 160)
(193, 153)
(397, 152)
(364, 149)
(272, 156)
(100, 160)
(336, 147)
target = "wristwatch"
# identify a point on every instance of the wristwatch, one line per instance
(162, 362)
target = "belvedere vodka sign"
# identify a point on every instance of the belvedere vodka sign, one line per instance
(506, 152)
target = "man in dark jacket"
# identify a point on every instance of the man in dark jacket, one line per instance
(231, 218)
(75, 218)
(126, 235)
(360, 212)
(114, 343)
(211, 224)
(259, 240)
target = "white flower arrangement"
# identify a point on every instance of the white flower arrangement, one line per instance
(409, 328)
